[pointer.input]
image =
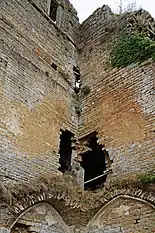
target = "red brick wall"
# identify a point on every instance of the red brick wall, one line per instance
(120, 105)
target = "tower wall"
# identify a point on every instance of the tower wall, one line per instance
(36, 89)
(120, 105)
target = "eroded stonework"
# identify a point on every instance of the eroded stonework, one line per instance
(119, 215)
(55, 77)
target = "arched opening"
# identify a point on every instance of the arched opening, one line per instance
(41, 217)
(122, 214)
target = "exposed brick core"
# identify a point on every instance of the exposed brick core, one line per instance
(55, 76)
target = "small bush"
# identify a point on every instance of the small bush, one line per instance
(132, 49)
(147, 179)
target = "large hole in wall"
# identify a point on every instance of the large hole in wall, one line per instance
(65, 150)
(94, 162)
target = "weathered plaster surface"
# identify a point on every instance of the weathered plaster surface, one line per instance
(37, 99)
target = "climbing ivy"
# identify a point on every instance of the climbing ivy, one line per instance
(132, 49)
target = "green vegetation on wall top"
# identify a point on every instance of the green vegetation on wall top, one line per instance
(132, 49)
(147, 178)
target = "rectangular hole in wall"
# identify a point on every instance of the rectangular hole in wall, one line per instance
(65, 150)
(54, 66)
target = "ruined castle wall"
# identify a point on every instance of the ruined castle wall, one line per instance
(36, 90)
(67, 19)
(124, 215)
(40, 218)
(42, 4)
(120, 104)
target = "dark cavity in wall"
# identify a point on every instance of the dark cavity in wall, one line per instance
(77, 76)
(20, 227)
(53, 10)
(54, 66)
(94, 162)
(65, 150)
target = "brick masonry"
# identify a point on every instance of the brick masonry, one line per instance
(36, 99)
(37, 95)
(120, 106)
(123, 214)
(42, 218)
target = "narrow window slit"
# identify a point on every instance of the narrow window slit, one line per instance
(65, 150)
(53, 10)
(77, 76)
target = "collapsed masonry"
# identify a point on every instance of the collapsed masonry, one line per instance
(71, 122)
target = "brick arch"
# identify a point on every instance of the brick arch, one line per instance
(42, 208)
(21, 207)
(88, 204)
(121, 207)
(17, 207)
(107, 195)
(59, 199)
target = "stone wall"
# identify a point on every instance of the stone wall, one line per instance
(40, 218)
(36, 90)
(38, 100)
(120, 105)
(123, 216)
(67, 19)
